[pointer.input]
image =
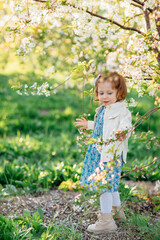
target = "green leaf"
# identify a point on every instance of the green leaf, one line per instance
(26, 213)
(155, 209)
(41, 214)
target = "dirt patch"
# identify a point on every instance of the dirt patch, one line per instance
(145, 187)
(58, 205)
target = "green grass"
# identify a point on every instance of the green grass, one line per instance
(34, 227)
(38, 139)
(143, 227)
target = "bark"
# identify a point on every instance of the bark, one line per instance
(142, 4)
(146, 15)
(139, 2)
(158, 25)
(157, 20)
(157, 52)
(137, 5)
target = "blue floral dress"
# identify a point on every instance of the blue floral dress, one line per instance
(92, 160)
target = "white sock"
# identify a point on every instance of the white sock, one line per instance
(116, 199)
(106, 202)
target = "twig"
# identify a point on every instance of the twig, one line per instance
(40, 1)
(114, 22)
(136, 5)
(139, 2)
(27, 9)
(90, 102)
(157, 21)
(142, 4)
(147, 20)
(137, 15)
(83, 95)
(62, 83)
(138, 122)
(147, 78)
(138, 169)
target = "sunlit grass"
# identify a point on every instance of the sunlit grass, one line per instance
(38, 132)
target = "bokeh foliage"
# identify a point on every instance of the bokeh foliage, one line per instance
(38, 138)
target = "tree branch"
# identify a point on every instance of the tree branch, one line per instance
(146, 78)
(116, 23)
(137, 15)
(104, 18)
(142, 4)
(144, 117)
(43, 1)
(148, 26)
(155, 49)
(157, 52)
(139, 2)
(27, 9)
(141, 168)
(147, 20)
(157, 20)
(136, 5)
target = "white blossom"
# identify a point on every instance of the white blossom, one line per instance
(132, 102)
(91, 201)
(76, 208)
(20, 93)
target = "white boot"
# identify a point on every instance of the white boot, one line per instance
(118, 212)
(104, 224)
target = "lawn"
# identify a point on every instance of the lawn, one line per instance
(38, 138)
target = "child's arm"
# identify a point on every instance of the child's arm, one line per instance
(84, 124)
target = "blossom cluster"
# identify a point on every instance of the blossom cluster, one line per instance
(98, 177)
(26, 46)
(150, 3)
(34, 89)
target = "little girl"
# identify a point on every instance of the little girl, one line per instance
(110, 118)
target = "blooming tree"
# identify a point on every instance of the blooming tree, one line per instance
(113, 35)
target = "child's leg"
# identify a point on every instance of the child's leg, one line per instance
(106, 202)
(105, 221)
(116, 199)
(117, 209)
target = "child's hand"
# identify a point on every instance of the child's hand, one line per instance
(81, 122)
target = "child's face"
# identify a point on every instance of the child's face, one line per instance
(106, 94)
